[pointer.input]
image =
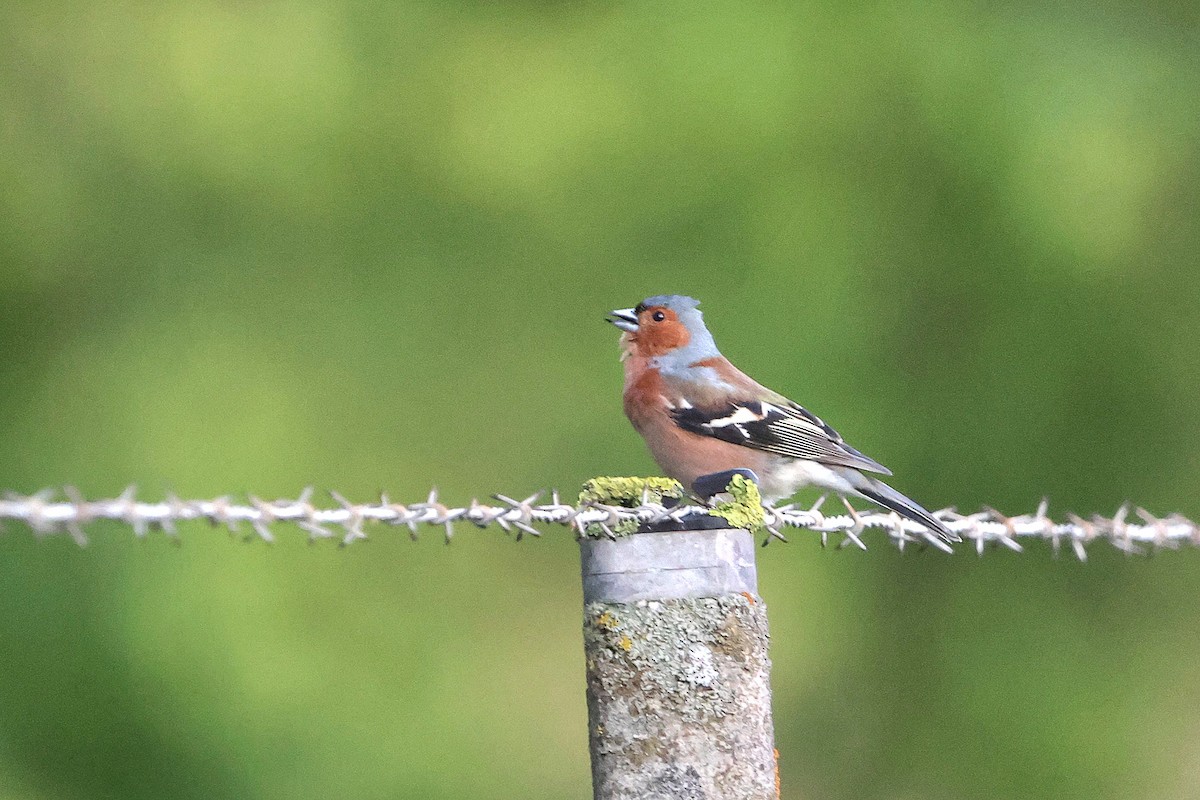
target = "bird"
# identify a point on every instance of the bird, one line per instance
(704, 420)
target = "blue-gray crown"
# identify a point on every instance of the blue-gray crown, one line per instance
(676, 302)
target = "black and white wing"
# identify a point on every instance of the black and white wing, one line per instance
(782, 428)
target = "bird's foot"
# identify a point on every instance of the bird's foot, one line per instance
(853, 532)
(709, 486)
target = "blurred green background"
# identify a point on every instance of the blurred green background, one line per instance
(364, 246)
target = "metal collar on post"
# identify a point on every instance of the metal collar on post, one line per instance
(668, 566)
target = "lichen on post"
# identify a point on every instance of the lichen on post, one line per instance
(675, 640)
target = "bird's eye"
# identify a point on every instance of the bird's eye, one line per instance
(658, 316)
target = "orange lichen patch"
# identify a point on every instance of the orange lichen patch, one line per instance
(625, 643)
(606, 621)
(778, 784)
(750, 597)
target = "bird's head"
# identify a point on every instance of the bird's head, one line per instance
(668, 327)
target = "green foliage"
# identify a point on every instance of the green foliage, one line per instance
(254, 248)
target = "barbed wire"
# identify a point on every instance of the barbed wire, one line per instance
(45, 515)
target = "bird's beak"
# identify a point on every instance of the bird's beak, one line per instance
(624, 318)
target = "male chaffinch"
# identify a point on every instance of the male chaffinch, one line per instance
(705, 420)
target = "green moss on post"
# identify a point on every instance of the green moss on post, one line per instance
(630, 492)
(627, 493)
(745, 509)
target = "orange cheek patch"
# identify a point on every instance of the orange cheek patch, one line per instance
(656, 338)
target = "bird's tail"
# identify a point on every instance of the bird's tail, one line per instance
(879, 492)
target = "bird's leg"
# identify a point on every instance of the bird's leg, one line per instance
(707, 486)
(852, 532)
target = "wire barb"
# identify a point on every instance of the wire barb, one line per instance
(1131, 529)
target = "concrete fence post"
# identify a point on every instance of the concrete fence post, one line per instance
(678, 689)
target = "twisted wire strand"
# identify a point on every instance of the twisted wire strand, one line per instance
(45, 515)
